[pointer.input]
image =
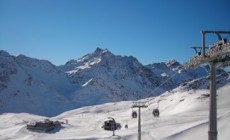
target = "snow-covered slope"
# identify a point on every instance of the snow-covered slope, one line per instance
(39, 87)
(183, 116)
(179, 74)
(124, 78)
(33, 86)
(117, 78)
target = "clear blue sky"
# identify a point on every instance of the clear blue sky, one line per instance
(150, 30)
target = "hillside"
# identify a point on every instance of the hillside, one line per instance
(33, 86)
(37, 86)
(183, 116)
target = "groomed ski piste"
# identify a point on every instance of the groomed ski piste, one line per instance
(183, 116)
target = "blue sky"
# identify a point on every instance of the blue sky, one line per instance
(150, 30)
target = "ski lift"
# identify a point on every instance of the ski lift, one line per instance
(134, 114)
(156, 112)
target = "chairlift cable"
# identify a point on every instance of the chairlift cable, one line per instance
(168, 80)
(163, 84)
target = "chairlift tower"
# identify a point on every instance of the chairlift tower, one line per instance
(139, 105)
(217, 55)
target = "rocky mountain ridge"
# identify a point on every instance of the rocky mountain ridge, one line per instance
(39, 87)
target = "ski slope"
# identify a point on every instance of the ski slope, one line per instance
(183, 116)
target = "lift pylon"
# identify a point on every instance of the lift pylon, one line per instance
(218, 55)
(139, 105)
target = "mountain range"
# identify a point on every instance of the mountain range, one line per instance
(39, 87)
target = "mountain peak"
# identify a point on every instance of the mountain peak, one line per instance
(173, 63)
(101, 51)
(4, 53)
(98, 50)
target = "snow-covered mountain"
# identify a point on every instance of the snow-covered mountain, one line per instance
(124, 78)
(39, 87)
(32, 85)
(176, 73)
(115, 77)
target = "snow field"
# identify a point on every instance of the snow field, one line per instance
(183, 116)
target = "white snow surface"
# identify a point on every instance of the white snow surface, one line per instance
(30, 85)
(183, 116)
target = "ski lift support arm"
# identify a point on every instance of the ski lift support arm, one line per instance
(218, 53)
(211, 32)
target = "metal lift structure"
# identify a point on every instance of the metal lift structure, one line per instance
(216, 55)
(139, 105)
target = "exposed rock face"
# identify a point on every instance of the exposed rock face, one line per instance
(39, 87)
